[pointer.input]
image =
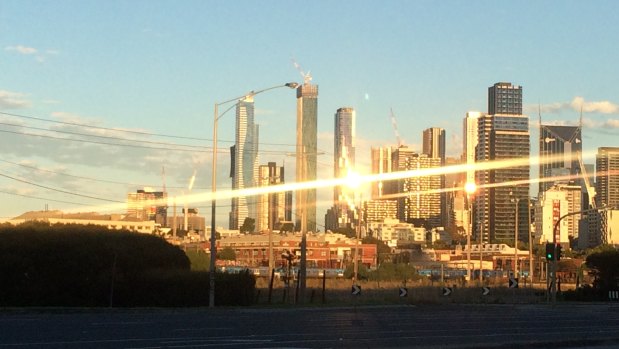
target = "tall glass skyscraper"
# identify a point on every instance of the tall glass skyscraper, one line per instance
(307, 148)
(244, 162)
(344, 146)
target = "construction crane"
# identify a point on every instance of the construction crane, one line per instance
(307, 77)
(394, 123)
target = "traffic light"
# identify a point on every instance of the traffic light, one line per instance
(550, 251)
(559, 252)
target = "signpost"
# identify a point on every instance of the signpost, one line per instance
(403, 292)
(356, 290)
(447, 291)
(485, 291)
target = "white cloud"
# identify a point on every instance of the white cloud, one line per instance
(611, 123)
(578, 102)
(24, 50)
(13, 100)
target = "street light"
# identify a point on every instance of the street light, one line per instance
(216, 117)
(517, 201)
(470, 189)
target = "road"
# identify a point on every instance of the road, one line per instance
(432, 326)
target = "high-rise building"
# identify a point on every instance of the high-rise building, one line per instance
(502, 137)
(344, 146)
(307, 142)
(422, 202)
(607, 176)
(505, 98)
(559, 148)
(244, 162)
(271, 207)
(469, 138)
(434, 147)
(381, 163)
(394, 189)
(434, 143)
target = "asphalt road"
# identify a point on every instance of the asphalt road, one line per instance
(438, 326)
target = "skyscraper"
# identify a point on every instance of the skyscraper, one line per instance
(344, 162)
(504, 98)
(503, 137)
(271, 207)
(434, 147)
(469, 138)
(381, 163)
(344, 146)
(559, 148)
(422, 204)
(307, 141)
(434, 143)
(244, 162)
(607, 176)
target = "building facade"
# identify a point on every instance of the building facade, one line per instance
(148, 204)
(422, 202)
(307, 151)
(607, 176)
(433, 146)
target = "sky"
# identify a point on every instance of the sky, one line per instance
(98, 96)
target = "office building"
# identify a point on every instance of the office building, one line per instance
(553, 203)
(307, 141)
(503, 193)
(381, 163)
(607, 176)
(469, 138)
(244, 162)
(434, 147)
(271, 207)
(559, 149)
(422, 200)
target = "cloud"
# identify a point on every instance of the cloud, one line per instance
(597, 107)
(24, 50)
(13, 100)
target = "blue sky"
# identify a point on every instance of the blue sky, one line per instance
(159, 66)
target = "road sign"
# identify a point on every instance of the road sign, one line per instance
(356, 290)
(513, 283)
(403, 291)
(485, 291)
(447, 291)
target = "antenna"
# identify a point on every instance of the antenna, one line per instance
(394, 123)
(307, 77)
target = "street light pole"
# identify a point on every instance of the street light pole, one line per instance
(470, 188)
(516, 240)
(216, 117)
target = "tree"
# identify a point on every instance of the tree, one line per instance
(286, 227)
(227, 254)
(249, 225)
(604, 266)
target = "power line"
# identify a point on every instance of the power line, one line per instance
(204, 150)
(45, 199)
(129, 131)
(59, 190)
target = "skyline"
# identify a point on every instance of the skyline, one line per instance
(160, 68)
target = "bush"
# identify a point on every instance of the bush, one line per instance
(75, 265)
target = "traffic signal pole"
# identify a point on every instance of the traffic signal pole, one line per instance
(553, 263)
